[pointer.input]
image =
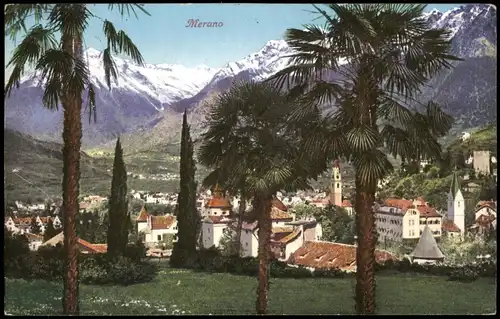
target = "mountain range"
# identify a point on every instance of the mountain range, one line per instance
(145, 104)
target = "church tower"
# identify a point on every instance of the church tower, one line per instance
(336, 186)
(456, 204)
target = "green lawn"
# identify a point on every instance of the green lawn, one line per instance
(185, 292)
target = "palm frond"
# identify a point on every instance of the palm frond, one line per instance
(15, 16)
(371, 167)
(35, 44)
(110, 70)
(62, 74)
(70, 19)
(127, 8)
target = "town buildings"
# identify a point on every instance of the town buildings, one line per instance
(23, 225)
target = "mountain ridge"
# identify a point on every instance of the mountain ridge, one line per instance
(155, 119)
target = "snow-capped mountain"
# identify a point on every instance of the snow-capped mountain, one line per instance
(154, 95)
(135, 100)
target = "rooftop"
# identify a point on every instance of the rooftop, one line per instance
(328, 255)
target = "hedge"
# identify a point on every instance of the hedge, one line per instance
(211, 261)
(48, 263)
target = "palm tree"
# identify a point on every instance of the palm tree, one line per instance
(389, 52)
(249, 145)
(65, 75)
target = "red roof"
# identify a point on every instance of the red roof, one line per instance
(426, 211)
(346, 203)
(449, 226)
(218, 202)
(93, 248)
(279, 205)
(143, 215)
(402, 204)
(278, 214)
(84, 205)
(327, 255)
(162, 222)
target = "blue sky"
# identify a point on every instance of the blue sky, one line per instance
(164, 38)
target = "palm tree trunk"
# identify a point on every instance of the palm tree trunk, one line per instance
(365, 252)
(241, 210)
(72, 134)
(263, 204)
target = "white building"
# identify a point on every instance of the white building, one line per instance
(23, 225)
(456, 204)
(402, 219)
(213, 230)
(287, 235)
(488, 210)
(156, 228)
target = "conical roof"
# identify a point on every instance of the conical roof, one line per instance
(455, 185)
(427, 247)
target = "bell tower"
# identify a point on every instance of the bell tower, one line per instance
(336, 185)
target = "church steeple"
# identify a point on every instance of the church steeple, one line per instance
(456, 203)
(336, 185)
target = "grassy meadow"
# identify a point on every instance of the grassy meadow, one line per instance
(186, 292)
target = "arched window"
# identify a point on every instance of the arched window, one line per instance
(338, 185)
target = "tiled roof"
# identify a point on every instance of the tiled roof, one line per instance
(290, 237)
(162, 222)
(327, 255)
(279, 205)
(143, 215)
(426, 211)
(402, 204)
(93, 248)
(84, 205)
(346, 203)
(278, 214)
(218, 202)
(449, 226)
(100, 248)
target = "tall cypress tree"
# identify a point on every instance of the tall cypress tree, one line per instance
(118, 206)
(188, 221)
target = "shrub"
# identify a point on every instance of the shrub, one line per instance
(125, 271)
(135, 251)
(14, 245)
(329, 273)
(464, 274)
